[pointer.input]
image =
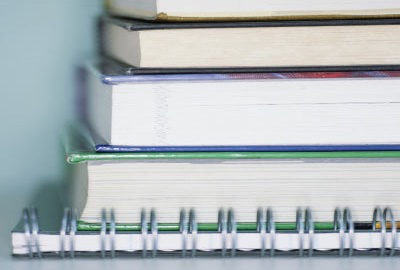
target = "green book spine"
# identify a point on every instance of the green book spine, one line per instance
(206, 227)
(80, 148)
(93, 156)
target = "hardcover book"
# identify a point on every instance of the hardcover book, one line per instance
(252, 44)
(205, 181)
(273, 111)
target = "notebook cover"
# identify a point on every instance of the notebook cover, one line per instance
(80, 147)
(95, 156)
(111, 71)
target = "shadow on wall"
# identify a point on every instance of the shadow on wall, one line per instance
(42, 43)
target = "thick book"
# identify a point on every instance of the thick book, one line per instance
(244, 181)
(266, 111)
(228, 10)
(252, 44)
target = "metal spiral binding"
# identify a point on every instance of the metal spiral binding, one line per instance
(63, 231)
(113, 231)
(383, 219)
(103, 231)
(68, 226)
(377, 216)
(388, 211)
(271, 229)
(343, 225)
(305, 224)
(349, 226)
(27, 231)
(193, 230)
(232, 229)
(154, 232)
(111, 234)
(300, 229)
(309, 228)
(72, 232)
(262, 230)
(143, 223)
(31, 231)
(35, 230)
(266, 225)
(183, 231)
(338, 225)
(222, 229)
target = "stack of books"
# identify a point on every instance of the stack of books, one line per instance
(215, 126)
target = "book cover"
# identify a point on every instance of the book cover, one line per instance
(105, 148)
(254, 10)
(77, 157)
(110, 71)
(140, 25)
(80, 146)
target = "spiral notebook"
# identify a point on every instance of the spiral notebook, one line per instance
(56, 231)
(342, 237)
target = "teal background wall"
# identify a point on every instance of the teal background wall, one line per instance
(41, 44)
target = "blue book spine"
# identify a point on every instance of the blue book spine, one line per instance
(248, 148)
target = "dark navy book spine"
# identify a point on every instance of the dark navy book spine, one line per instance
(248, 148)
